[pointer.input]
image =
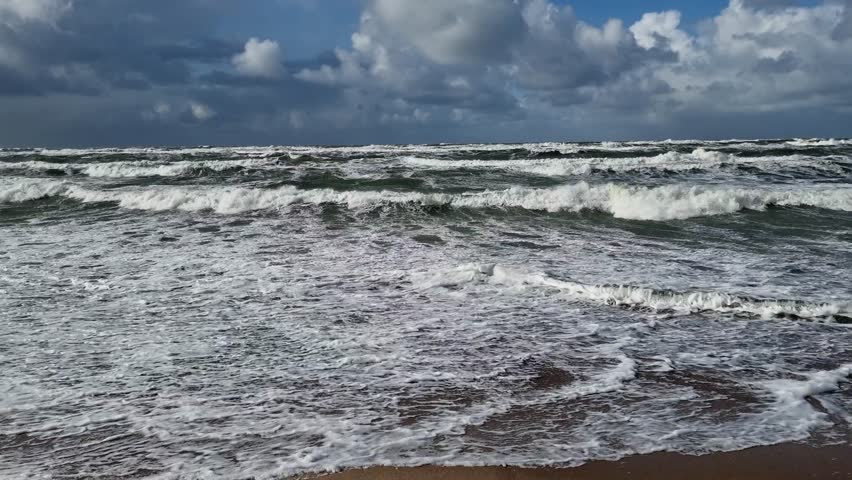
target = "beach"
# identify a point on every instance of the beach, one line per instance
(778, 462)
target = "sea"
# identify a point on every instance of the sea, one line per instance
(262, 312)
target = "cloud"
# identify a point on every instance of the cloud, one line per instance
(121, 44)
(843, 30)
(162, 109)
(657, 29)
(758, 59)
(563, 55)
(454, 31)
(297, 119)
(485, 56)
(443, 70)
(383, 71)
(32, 10)
(261, 58)
(201, 111)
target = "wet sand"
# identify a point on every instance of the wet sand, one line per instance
(780, 462)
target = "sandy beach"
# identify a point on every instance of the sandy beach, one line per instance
(780, 462)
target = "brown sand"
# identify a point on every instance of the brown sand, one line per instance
(780, 462)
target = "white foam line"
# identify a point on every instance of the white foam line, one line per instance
(630, 296)
(562, 147)
(699, 159)
(640, 203)
(819, 142)
(141, 168)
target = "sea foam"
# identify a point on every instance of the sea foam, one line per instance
(698, 159)
(140, 168)
(23, 190)
(632, 296)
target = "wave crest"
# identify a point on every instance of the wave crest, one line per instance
(636, 297)
(140, 168)
(668, 202)
(698, 159)
(24, 190)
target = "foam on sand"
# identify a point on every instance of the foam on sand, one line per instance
(791, 398)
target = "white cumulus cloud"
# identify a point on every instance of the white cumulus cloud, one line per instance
(454, 31)
(261, 58)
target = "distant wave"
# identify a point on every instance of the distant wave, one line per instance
(819, 142)
(637, 297)
(141, 168)
(666, 202)
(147, 151)
(699, 159)
(563, 148)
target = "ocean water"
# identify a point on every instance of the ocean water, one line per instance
(237, 312)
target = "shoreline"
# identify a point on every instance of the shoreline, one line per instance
(778, 462)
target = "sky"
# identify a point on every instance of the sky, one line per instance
(79, 73)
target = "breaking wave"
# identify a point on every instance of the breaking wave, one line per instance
(669, 202)
(25, 190)
(637, 297)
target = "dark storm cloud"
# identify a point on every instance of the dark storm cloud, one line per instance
(197, 50)
(843, 31)
(115, 43)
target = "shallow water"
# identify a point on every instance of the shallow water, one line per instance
(236, 312)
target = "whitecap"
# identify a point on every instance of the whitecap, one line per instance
(698, 159)
(632, 296)
(23, 190)
(668, 202)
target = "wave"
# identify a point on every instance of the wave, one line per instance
(36, 166)
(257, 152)
(24, 190)
(671, 161)
(380, 150)
(146, 169)
(141, 168)
(819, 142)
(637, 297)
(699, 159)
(667, 202)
